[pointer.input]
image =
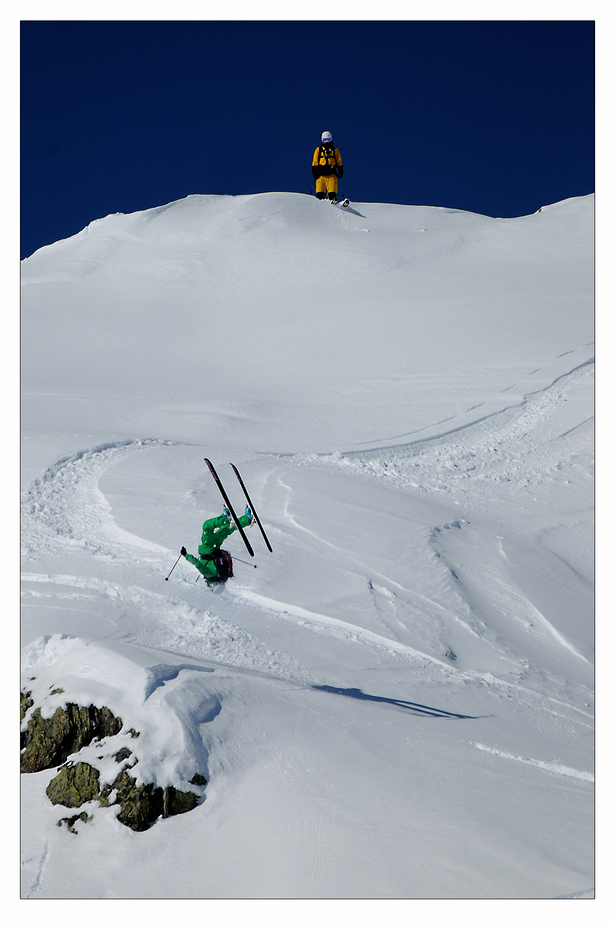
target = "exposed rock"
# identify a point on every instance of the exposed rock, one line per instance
(74, 785)
(176, 802)
(141, 806)
(71, 820)
(25, 703)
(46, 743)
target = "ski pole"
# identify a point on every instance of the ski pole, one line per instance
(171, 571)
(251, 565)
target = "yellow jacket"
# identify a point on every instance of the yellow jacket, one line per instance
(326, 162)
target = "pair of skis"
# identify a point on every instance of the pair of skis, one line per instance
(231, 509)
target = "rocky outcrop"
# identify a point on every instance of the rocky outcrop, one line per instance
(48, 743)
(25, 703)
(74, 785)
(141, 806)
(70, 821)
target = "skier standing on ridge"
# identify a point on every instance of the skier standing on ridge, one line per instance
(215, 564)
(326, 168)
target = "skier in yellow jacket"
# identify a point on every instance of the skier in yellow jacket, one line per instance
(326, 168)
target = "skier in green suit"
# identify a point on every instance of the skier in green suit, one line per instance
(215, 564)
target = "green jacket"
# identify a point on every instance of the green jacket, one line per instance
(206, 567)
(215, 531)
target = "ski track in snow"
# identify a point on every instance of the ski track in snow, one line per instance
(509, 599)
(65, 506)
(520, 448)
(507, 446)
(336, 627)
(40, 874)
(389, 589)
(64, 511)
(553, 767)
(167, 622)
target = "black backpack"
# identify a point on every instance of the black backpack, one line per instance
(223, 563)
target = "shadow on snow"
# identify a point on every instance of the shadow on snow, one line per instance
(418, 709)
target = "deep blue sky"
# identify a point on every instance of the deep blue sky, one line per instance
(492, 117)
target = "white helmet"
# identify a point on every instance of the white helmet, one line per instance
(327, 138)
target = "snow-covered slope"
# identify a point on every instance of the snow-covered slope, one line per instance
(398, 701)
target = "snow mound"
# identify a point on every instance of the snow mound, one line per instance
(165, 703)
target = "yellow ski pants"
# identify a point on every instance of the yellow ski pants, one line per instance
(326, 184)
